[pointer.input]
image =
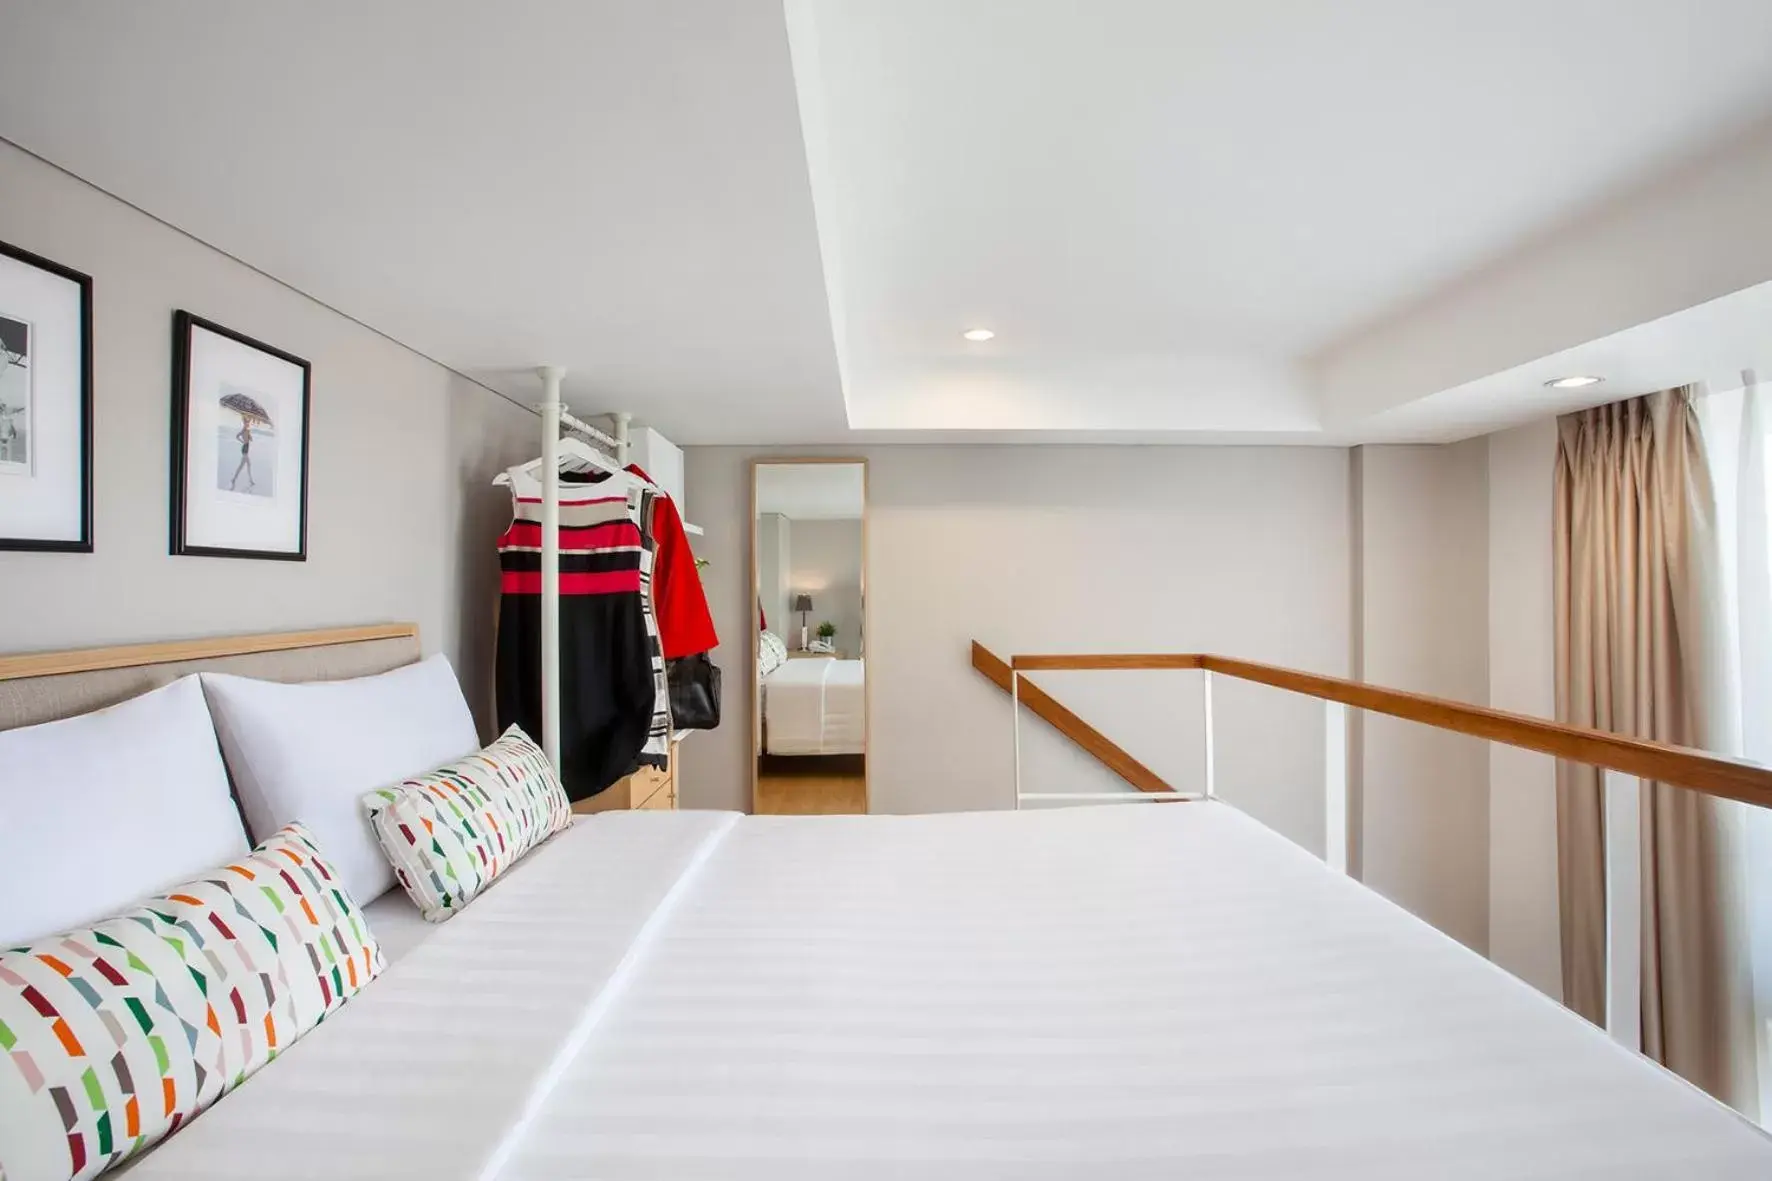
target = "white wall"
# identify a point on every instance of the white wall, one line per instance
(1423, 599)
(826, 564)
(1239, 550)
(1524, 923)
(402, 518)
(774, 551)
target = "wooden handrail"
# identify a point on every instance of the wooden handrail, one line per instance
(1092, 741)
(1697, 770)
(1112, 660)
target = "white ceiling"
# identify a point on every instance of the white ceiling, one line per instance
(618, 187)
(1169, 210)
(1164, 208)
(812, 491)
(1709, 344)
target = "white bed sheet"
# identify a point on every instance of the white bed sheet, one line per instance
(1125, 992)
(816, 707)
(397, 924)
(428, 1071)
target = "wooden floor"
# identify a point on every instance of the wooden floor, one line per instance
(811, 786)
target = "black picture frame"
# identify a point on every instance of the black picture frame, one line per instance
(83, 544)
(183, 325)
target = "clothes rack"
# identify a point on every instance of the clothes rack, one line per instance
(557, 424)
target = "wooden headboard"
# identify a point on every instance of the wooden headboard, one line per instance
(47, 686)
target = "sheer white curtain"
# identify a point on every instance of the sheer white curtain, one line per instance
(1735, 427)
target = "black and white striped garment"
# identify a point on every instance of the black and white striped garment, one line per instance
(657, 751)
(614, 702)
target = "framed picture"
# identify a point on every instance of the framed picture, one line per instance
(45, 405)
(239, 445)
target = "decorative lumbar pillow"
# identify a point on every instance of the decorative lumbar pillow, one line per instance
(772, 653)
(448, 834)
(113, 1036)
(308, 752)
(100, 810)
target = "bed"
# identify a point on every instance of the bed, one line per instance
(815, 707)
(1107, 991)
(702, 995)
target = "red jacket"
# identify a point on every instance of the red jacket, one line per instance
(685, 626)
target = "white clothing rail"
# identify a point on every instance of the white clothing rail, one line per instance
(617, 442)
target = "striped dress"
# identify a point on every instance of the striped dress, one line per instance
(614, 705)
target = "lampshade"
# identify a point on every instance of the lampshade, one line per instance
(802, 602)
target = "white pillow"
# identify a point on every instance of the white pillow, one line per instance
(307, 753)
(100, 811)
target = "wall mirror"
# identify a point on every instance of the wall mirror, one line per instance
(809, 561)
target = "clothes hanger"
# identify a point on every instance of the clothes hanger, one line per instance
(575, 456)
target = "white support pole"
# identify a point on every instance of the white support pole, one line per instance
(1015, 725)
(1624, 909)
(622, 419)
(1337, 823)
(551, 376)
(1210, 791)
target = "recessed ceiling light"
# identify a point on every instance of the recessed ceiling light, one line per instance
(1573, 383)
(978, 334)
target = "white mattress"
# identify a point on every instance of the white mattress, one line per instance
(816, 707)
(1125, 992)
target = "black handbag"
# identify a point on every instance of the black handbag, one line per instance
(694, 683)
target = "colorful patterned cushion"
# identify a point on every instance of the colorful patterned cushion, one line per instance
(113, 1036)
(450, 833)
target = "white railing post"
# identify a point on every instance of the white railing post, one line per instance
(1210, 791)
(1624, 908)
(1337, 822)
(1015, 725)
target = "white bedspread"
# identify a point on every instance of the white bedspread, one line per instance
(816, 707)
(429, 1071)
(399, 926)
(1119, 992)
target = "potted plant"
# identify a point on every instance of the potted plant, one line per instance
(827, 631)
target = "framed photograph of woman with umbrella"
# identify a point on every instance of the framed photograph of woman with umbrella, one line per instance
(240, 445)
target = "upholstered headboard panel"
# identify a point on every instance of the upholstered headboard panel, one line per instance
(44, 687)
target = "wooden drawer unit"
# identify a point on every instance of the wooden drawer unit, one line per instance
(647, 789)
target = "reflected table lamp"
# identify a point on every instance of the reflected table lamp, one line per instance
(803, 604)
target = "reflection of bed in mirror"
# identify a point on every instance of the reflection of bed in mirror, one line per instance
(815, 707)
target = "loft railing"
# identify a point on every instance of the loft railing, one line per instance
(1630, 765)
(1086, 737)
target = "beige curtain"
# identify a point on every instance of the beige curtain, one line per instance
(1640, 651)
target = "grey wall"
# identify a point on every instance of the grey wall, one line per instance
(1063, 548)
(826, 564)
(401, 515)
(1525, 920)
(1423, 570)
